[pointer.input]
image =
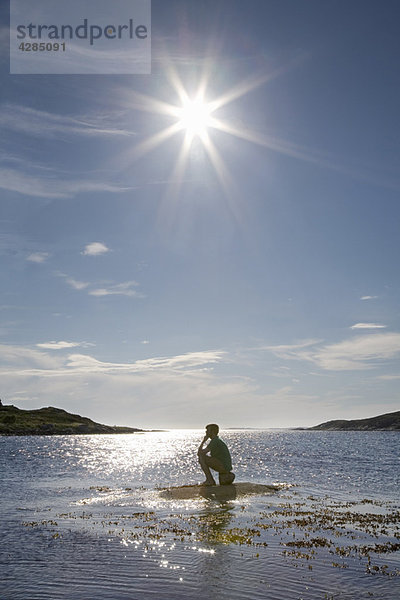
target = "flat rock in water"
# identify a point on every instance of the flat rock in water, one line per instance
(218, 492)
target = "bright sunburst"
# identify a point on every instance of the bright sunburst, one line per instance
(195, 116)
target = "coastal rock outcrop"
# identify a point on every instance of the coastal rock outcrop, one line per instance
(386, 422)
(51, 421)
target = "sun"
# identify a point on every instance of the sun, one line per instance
(194, 116)
(197, 116)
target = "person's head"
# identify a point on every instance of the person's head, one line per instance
(212, 430)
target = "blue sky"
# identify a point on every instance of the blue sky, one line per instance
(259, 285)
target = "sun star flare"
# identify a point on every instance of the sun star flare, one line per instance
(195, 116)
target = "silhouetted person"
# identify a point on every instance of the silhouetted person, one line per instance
(220, 459)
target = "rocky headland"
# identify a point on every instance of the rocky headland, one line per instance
(51, 421)
(386, 422)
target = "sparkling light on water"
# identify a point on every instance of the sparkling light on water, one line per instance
(96, 525)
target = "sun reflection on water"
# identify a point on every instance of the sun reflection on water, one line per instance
(98, 499)
(154, 457)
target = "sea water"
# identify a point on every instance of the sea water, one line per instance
(83, 517)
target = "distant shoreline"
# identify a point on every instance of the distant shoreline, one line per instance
(54, 421)
(386, 422)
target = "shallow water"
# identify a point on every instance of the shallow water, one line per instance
(82, 518)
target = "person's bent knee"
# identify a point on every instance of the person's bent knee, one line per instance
(215, 464)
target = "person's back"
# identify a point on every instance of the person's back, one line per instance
(218, 449)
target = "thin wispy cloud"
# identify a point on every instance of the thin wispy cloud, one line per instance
(171, 385)
(77, 285)
(37, 186)
(28, 163)
(183, 362)
(389, 377)
(38, 257)
(50, 185)
(369, 297)
(289, 351)
(20, 358)
(30, 362)
(127, 288)
(39, 123)
(95, 249)
(360, 353)
(368, 326)
(61, 345)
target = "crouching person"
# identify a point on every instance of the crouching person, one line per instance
(215, 456)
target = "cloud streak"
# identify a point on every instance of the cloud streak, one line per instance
(23, 176)
(20, 358)
(51, 185)
(126, 288)
(183, 363)
(184, 390)
(360, 353)
(39, 123)
(120, 289)
(77, 285)
(61, 345)
(26, 361)
(166, 391)
(368, 326)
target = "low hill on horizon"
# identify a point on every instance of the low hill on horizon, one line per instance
(386, 422)
(51, 421)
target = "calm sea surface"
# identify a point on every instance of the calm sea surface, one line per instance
(82, 518)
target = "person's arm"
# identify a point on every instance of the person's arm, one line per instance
(202, 450)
